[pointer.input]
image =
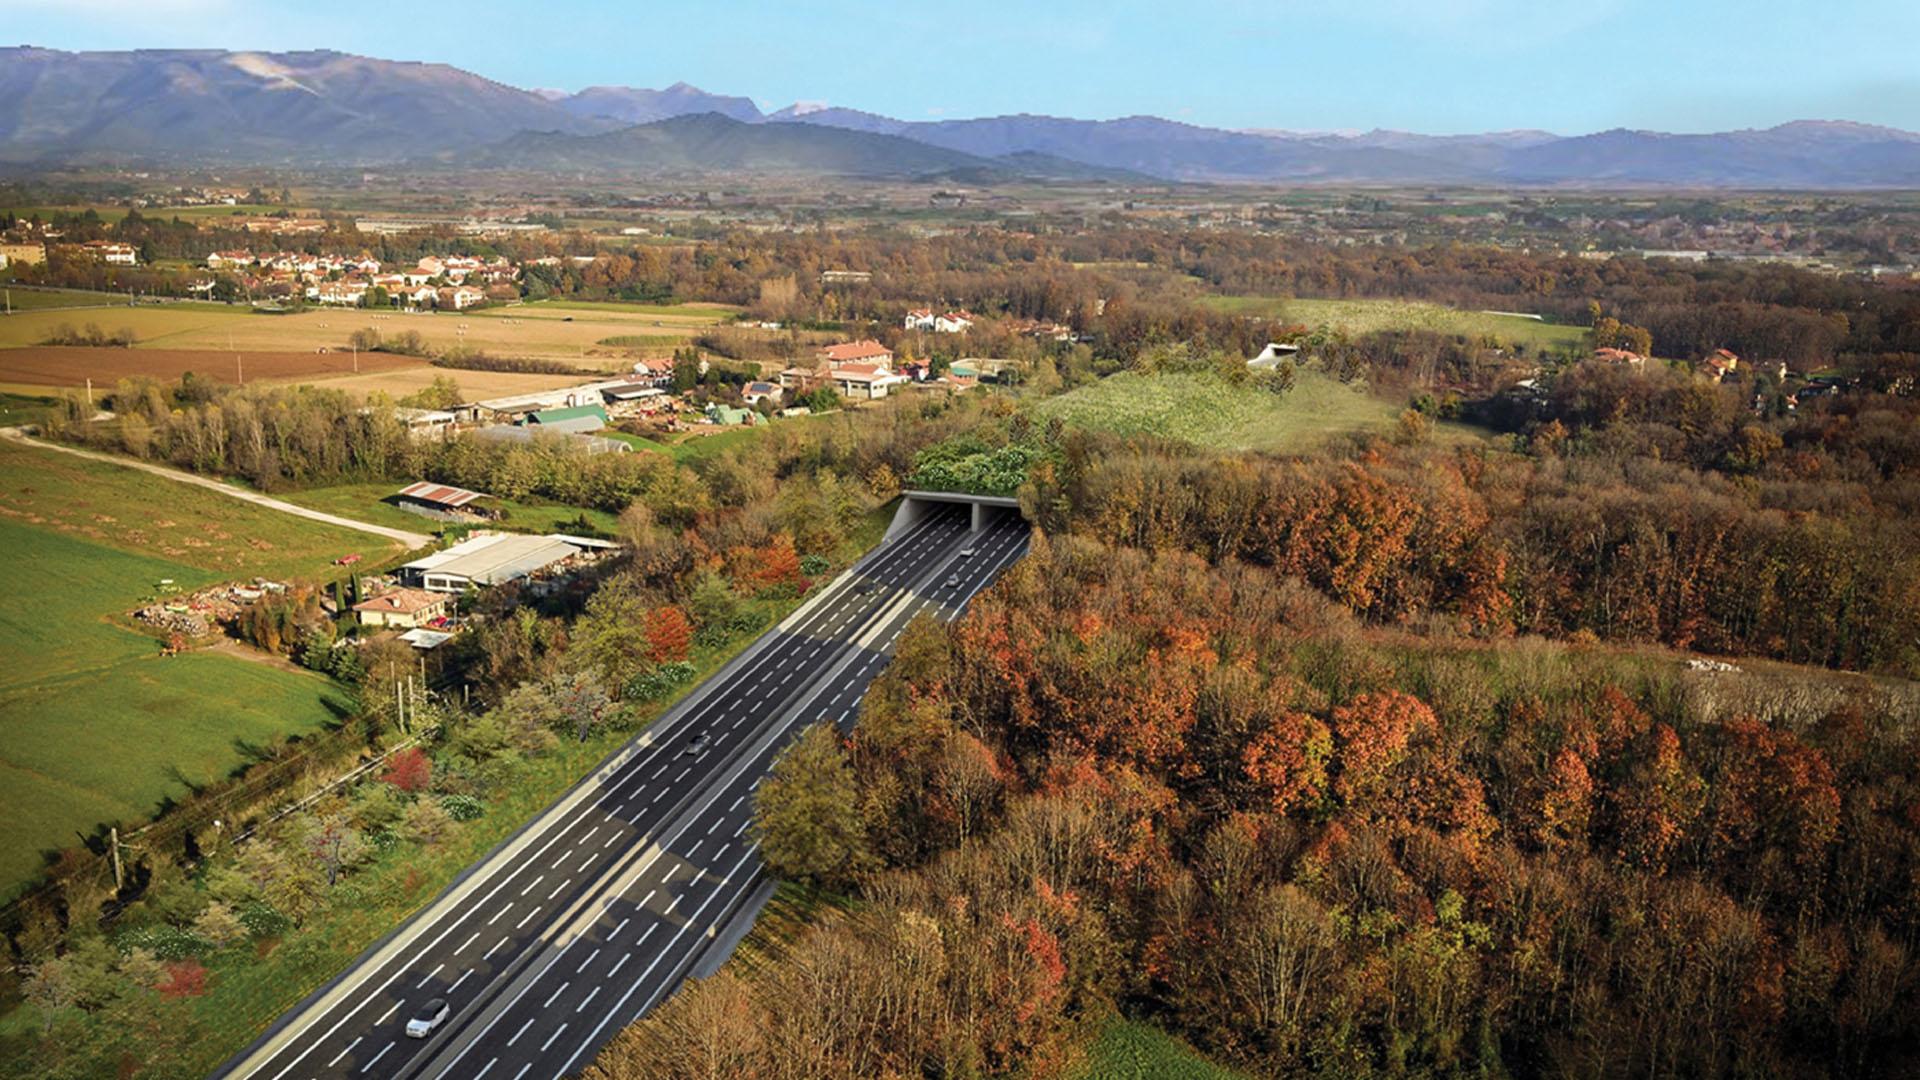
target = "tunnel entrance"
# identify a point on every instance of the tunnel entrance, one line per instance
(915, 505)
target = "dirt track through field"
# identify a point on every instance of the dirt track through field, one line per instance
(411, 539)
(55, 365)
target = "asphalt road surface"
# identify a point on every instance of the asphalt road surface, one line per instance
(595, 910)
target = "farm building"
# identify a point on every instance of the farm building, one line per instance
(579, 420)
(589, 444)
(440, 501)
(425, 421)
(520, 405)
(496, 559)
(630, 395)
(405, 608)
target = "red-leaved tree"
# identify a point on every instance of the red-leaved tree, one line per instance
(409, 770)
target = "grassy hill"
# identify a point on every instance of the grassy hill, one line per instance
(1204, 409)
(1366, 316)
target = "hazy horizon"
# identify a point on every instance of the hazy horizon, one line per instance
(1466, 66)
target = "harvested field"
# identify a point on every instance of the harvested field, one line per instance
(544, 330)
(53, 365)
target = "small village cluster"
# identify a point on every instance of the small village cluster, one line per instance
(453, 282)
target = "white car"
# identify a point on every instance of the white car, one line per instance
(953, 581)
(431, 1015)
(968, 553)
(697, 745)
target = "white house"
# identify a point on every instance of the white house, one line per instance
(953, 322)
(918, 319)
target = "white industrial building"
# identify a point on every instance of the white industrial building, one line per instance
(495, 559)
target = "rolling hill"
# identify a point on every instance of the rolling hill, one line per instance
(322, 107)
(214, 105)
(711, 143)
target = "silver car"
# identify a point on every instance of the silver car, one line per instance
(431, 1015)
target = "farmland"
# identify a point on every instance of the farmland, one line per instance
(1366, 316)
(22, 299)
(60, 365)
(99, 726)
(1203, 408)
(545, 330)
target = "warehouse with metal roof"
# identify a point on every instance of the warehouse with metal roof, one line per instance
(494, 559)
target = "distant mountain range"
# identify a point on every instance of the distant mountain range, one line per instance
(317, 108)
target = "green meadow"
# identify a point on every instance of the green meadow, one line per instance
(1205, 409)
(1366, 316)
(99, 728)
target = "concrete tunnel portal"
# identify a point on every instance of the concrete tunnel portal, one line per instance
(916, 505)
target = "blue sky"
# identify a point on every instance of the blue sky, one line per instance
(1422, 65)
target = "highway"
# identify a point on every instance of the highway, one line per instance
(594, 911)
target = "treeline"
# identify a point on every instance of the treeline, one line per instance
(1198, 793)
(1620, 546)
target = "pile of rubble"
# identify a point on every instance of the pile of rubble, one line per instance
(201, 613)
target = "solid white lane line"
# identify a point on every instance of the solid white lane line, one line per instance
(344, 1053)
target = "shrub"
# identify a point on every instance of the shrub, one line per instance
(815, 565)
(184, 979)
(409, 770)
(657, 682)
(164, 941)
(462, 807)
(426, 823)
(261, 920)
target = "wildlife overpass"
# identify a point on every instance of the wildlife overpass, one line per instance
(984, 510)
